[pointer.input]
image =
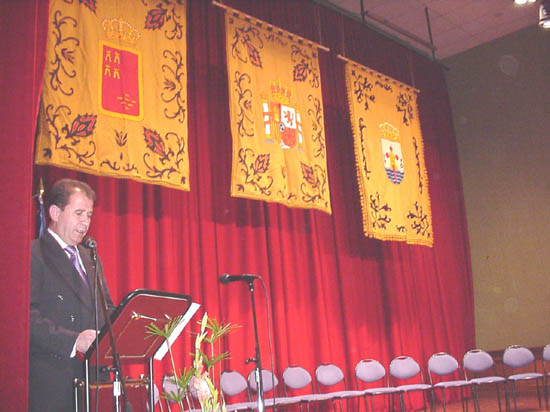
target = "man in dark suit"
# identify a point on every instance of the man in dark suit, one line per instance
(62, 302)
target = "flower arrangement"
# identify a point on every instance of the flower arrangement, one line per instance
(201, 375)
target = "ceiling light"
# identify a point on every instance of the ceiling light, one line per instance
(544, 14)
(524, 1)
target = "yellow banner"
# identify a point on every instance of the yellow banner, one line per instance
(114, 97)
(389, 154)
(276, 109)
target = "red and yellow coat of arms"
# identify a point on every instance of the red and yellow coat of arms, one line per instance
(276, 114)
(120, 82)
(282, 121)
(96, 115)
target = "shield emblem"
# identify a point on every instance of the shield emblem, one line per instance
(393, 160)
(120, 78)
(282, 124)
(287, 127)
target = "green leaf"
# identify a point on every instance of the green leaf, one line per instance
(175, 396)
(219, 329)
(166, 331)
(185, 378)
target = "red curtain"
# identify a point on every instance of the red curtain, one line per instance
(23, 27)
(335, 296)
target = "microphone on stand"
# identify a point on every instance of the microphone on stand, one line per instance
(226, 278)
(89, 242)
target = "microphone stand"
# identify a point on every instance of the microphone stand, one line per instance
(119, 386)
(257, 359)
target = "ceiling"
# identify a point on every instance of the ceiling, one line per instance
(456, 25)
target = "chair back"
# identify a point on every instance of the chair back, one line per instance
(370, 370)
(232, 383)
(169, 385)
(404, 367)
(546, 359)
(269, 380)
(444, 366)
(477, 361)
(546, 353)
(328, 374)
(296, 377)
(516, 356)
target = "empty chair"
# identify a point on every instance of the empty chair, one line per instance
(270, 383)
(480, 369)
(546, 368)
(519, 357)
(328, 375)
(372, 371)
(443, 365)
(232, 383)
(297, 378)
(405, 368)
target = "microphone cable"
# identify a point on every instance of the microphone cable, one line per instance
(269, 340)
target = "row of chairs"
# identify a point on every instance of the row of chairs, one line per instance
(404, 376)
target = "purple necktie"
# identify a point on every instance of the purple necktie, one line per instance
(76, 263)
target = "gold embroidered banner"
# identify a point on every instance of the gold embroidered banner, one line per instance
(114, 97)
(276, 109)
(389, 154)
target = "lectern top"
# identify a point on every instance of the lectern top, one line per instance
(129, 320)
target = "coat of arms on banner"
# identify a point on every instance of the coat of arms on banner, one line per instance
(120, 82)
(283, 124)
(96, 115)
(391, 153)
(391, 173)
(276, 114)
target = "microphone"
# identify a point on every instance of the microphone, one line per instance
(226, 278)
(89, 242)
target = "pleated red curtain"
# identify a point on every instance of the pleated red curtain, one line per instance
(23, 27)
(334, 295)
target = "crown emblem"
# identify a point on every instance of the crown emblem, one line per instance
(120, 29)
(280, 92)
(388, 131)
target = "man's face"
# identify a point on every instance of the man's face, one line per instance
(72, 223)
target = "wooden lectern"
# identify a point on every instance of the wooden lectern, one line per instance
(133, 343)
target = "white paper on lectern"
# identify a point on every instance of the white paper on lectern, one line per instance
(177, 330)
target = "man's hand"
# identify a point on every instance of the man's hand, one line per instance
(85, 339)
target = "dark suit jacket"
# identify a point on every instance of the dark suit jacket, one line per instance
(61, 307)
